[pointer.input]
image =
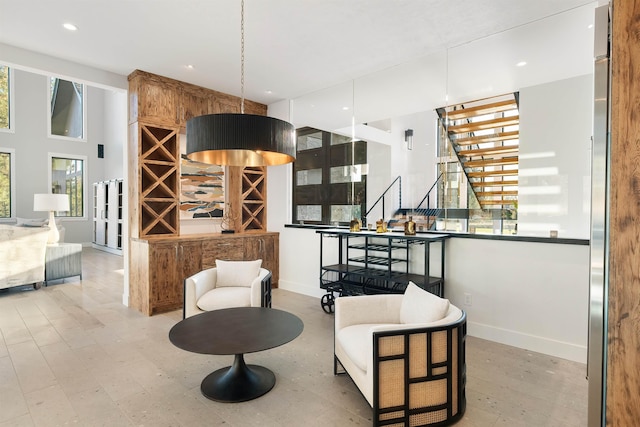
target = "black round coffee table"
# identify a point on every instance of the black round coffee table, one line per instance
(236, 331)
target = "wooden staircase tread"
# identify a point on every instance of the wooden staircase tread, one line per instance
(491, 162)
(496, 193)
(494, 107)
(505, 149)
(497, 202)
(500, 183)
(478, 153)
(499, 122)
(485, 174)
(494, 137)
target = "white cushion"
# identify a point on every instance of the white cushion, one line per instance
(228, 297)
(237, 273)
(28, 222)
(357, 343)
(420, 306)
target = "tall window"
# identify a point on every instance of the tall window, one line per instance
(67, 109)
(329, 182)
(5, 98)
(6, 183)
(68, 176)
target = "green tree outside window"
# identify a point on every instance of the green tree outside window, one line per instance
(5, 185)
(4, 97)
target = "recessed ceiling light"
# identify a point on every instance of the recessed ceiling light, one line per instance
(345, 108)
(590, 26)
(521, 64)
(189, 66)
(69, 26)
(268, 92)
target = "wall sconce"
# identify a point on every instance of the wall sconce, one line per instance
(408, 138)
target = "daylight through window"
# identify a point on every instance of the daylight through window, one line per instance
(6, 180)
(67, 108)
(68, 177)
(5, 98)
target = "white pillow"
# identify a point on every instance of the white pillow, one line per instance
(28, 222)
(420, 306)
(237, 273)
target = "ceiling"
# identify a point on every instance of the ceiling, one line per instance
(292, 47)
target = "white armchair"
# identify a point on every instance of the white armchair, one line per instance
(229, 284)
(406, 355)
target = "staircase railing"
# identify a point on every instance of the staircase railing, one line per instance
(448, 140)
(381, 198)
(427, 196)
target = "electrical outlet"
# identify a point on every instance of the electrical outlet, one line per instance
(467, 299)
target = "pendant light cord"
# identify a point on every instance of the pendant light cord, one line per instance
(242, 57)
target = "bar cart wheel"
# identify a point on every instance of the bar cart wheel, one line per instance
(327, 302)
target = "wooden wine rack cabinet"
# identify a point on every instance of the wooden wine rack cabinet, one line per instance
(159, 181)
(254, 204)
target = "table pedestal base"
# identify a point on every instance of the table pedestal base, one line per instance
(238, 383)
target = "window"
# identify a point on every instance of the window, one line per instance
(7, 180)
(68, 176)
(6, 114)
(66, 109)
(329, 178)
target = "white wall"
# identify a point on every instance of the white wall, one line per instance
(528, 295)
(32, 145)
(524, 294)
(115, 132)
(418, 166)
(554, 188)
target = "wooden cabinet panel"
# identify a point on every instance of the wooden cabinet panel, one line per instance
(264, 247)
(164, 292)
(190, 254)
(158, 267)
(153, 100)
(193, 104)
(158, 271)
(228, 249)
(224, 105)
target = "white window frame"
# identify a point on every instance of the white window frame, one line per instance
(85, 180)
(12, 104)
(12, 153)
(84, 111)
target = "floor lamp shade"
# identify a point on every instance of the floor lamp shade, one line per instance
(240, 140)
(51, 203)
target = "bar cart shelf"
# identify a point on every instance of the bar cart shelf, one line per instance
(375, 263)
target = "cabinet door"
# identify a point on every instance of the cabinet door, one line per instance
(193, 104)
(100, 213)
(158, 102)
(266, 248)
(112, 214)
(190, 254)
(226, 105)
(165, 288)
(228, 249)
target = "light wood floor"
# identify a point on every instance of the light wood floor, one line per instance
(72, 354)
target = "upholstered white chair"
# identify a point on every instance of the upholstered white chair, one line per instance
(229, 284)
(406, 355)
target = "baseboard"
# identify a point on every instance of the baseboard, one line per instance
(311, 291)
(564, 350)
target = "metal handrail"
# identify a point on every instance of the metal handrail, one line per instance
(426, 197)
(399, 178)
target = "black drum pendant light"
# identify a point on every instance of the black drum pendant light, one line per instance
(240, 139)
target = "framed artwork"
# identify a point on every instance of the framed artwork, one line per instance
(201, 190)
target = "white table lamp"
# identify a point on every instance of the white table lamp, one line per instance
(51, 203)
